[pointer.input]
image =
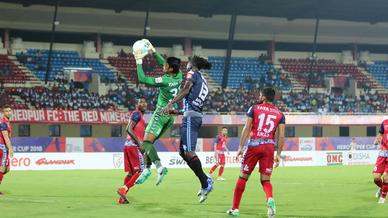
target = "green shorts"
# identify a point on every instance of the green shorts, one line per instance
(159, 124)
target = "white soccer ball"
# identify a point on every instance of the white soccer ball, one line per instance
(141, 48)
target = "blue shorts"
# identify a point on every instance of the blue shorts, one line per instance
(189, 133)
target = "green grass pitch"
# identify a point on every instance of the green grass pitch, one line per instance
(338, 191)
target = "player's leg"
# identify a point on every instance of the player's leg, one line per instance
(3, 163)
(377, 174)
(266, 165)
(215, 165)
(248, 164)
(222, 165)
(189, 134)
(152, 132)
(166, 122)
(136, 163)
(384, 189)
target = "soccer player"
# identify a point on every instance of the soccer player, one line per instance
(168, 85)
(380, 172)
(194, 93)
(6, 150)
(133, 158)
(219, 149)
(262, 123)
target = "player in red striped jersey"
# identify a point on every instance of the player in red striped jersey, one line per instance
(133, 157)
(380, 172)
(6, 150)
(262, 123)
(219, 149)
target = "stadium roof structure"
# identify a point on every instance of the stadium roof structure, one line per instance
(372, 11)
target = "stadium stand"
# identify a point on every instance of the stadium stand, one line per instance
(36, 61)
(10, 72)
(300, 68)
(379, 70)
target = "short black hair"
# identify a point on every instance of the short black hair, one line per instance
(174, 63)
(200, 63)
(6, 106)
(269, 93)
(224, 127)
(140, 97)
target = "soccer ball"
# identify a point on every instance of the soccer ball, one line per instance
(141, 48)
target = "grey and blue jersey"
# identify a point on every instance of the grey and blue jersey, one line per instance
(195, 99)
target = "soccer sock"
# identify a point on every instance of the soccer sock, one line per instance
(1, 177)
(238, 192)
(132, 181)
(127, 178)
(221, 171)
(213, 169)
(384, 190)
(267, 187)
(148, 162)
(151, 152)
(196, 166)
(379, 183)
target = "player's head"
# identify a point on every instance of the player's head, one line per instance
(7, 111)
(172, 65)
(267, 94)
(353, 139)
(198, 63)
(224, 131)
(141, 104)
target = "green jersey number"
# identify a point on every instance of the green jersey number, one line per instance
(174, 92)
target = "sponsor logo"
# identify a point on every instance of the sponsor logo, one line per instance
(358, 158)
(290, 158)
(20, 162)
(306, 147)
(176, 161)
(334, 158)
(117, 160)
(44, 161)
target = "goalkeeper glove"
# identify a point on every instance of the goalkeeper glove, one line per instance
(148, 44)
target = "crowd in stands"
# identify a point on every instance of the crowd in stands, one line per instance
(273, 78)
(63, 98)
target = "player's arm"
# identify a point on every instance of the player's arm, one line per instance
(7, 139)
(135, 118)
(148, 80)
(380, 135)
(244, 136)
(281, 133)
(159, 58)
(181, 94)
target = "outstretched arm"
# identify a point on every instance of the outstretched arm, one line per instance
(148, 80)
(159, 58)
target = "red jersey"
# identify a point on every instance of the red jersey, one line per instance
(221, 143)
(4, 126)
(266, 119)
(138, 119)
(384, 130)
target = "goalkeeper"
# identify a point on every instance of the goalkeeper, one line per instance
(168, 85)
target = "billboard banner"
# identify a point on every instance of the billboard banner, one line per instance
(115, 160)
(122, 117)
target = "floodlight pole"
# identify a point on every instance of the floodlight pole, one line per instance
(312, 58)
(146, 23)
(315, 37)
(232, 29)
(51, 42)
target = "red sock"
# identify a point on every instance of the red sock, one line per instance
(127, 178)
(267, 187)
(379, 183)
(132, 181)
(221, 171)
(212, 169)
(384, 190)
(1, 177)
(238, 191)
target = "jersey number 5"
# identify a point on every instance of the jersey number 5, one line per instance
(269, 121)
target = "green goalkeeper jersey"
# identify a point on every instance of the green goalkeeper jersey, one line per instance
(168, 84)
